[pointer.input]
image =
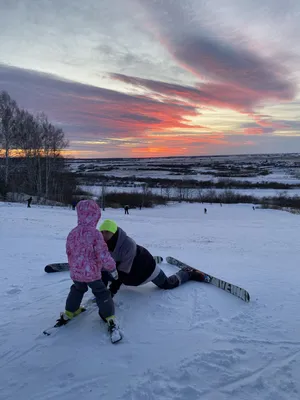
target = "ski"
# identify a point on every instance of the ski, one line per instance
(61, 267)
(115, 337)
(114, 332)
(56, 267)
(219, 283)
(52, 329)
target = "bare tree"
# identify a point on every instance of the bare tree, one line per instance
(8, 110)
(29, 141)
(180, 192)
(53, 142)
(103, 194)
(167, 191)
(56, 163)
(41, 144)
(41, 169)
(200, 194)
(47, 131)
(145, 191)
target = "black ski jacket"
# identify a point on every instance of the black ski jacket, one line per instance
(135, 264)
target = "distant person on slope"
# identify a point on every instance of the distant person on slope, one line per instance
(135, 264)
(29, 201)
(88, 256)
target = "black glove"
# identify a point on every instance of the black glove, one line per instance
(115, 286)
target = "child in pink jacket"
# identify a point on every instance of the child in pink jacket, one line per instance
(88, 255)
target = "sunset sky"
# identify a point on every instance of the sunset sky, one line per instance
(148, 78)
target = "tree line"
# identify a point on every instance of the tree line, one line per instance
(31, 161)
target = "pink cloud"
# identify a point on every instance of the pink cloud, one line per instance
(267, 122)
(253, 131)
(216, 95)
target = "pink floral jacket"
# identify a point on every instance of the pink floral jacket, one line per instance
(86, 249)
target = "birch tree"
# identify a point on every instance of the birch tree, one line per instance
(8, 110)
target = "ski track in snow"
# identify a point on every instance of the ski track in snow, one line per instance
(192, 342)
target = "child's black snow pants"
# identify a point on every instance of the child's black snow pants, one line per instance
(103, 297)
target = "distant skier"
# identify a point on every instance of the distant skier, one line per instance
(29, 201)
(136, 265)
(88, 256)
(205, 211)
(74, 202)
(126, 209)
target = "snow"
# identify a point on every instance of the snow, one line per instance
(193, 342)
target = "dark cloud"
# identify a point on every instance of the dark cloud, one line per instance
(241, 68)
(221, 60)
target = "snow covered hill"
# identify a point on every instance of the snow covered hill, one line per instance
(194, 342)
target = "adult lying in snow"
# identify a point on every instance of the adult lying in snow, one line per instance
(136, 265)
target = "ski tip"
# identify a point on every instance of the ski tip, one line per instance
(173, 261)
(46, 333)
(117, 338)
(116, 341)
(49, 269)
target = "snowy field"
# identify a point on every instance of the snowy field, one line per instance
(194, 342)
(282, 177)
(283, 168)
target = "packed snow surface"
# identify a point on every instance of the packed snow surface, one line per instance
(193, 342)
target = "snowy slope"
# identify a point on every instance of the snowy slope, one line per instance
(193, 342)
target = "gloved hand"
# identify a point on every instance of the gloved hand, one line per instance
(114, 287)
(115, 274)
